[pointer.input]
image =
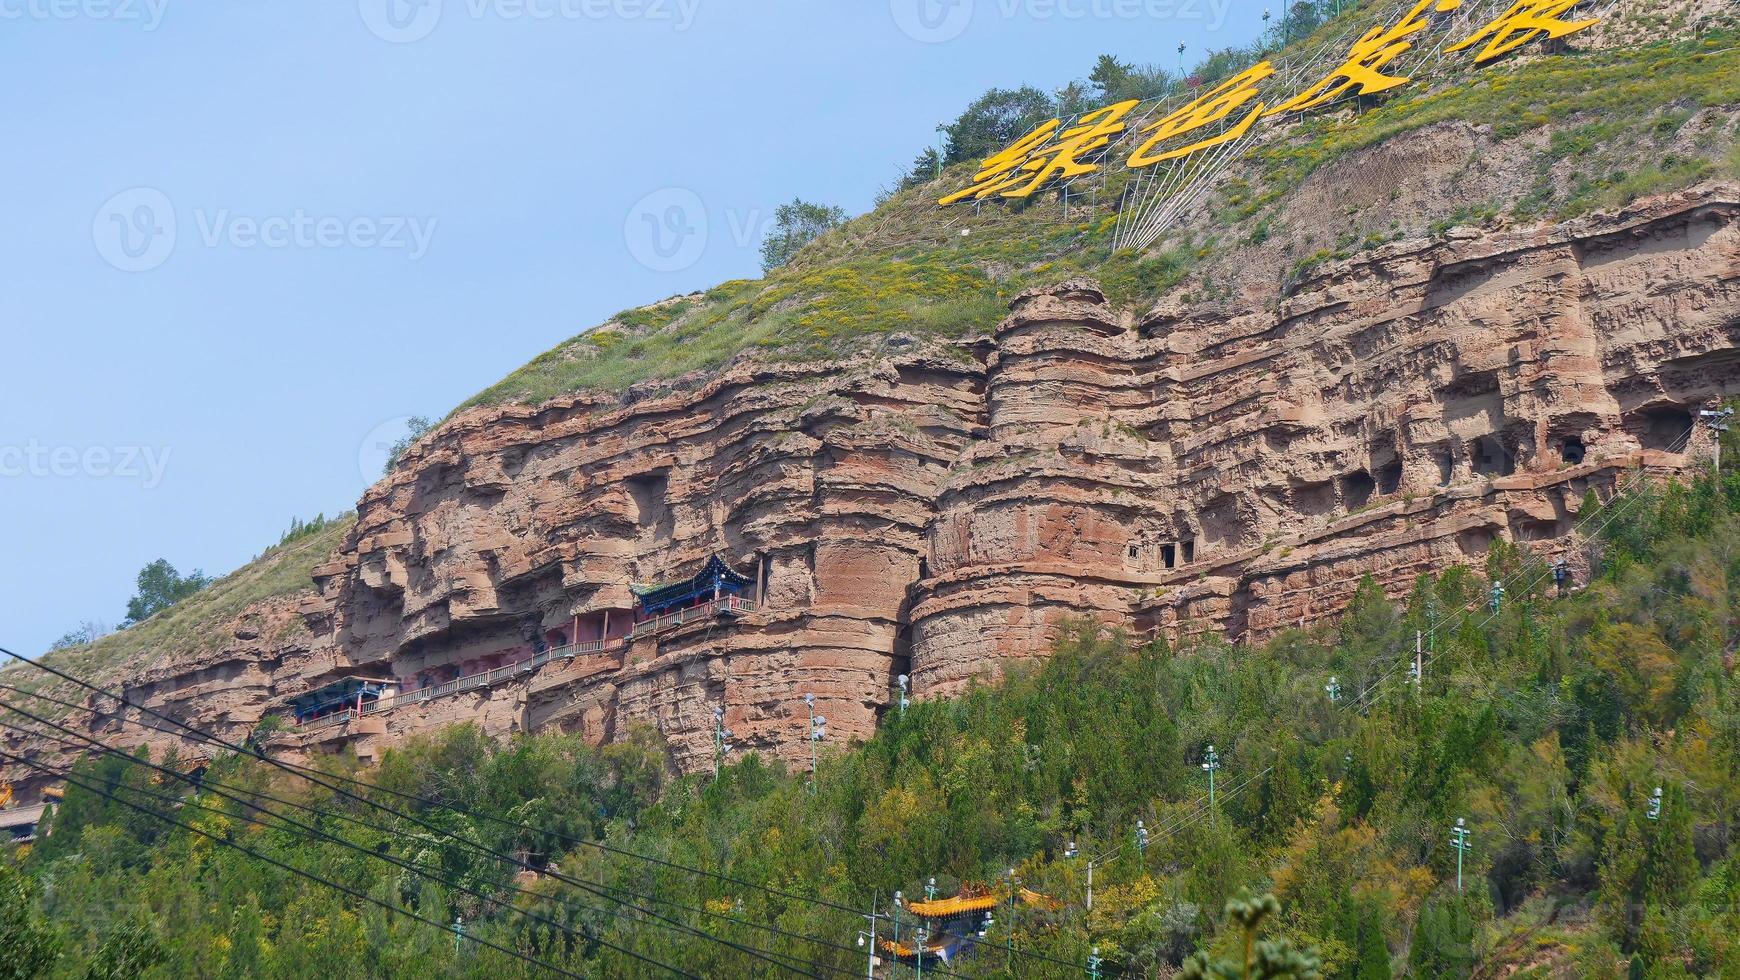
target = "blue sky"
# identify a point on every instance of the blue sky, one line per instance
(244, 239)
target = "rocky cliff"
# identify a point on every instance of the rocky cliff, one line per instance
(937, 508)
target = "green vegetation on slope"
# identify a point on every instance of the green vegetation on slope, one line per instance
(196, 623)
(1546, 729)
(1612, 118)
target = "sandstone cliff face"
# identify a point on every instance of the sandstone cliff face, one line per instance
(937, 509)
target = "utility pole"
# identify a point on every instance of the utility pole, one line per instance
(720, 745)
(1095, 964)
(1419, 661)
(1333, 689)
(818, 731)
(923, 938)
(899, 902)
(1210, 764)
(1655, 805)
(1497, 596)
(458, 933)
(905, 684)
(1090, 890)
(870, 967)
(1459, 840)
(942, 132)
(1141, 838)
(1181, 62)
(1718, 422)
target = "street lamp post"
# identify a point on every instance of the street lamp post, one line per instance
(1459, 839)
(1210, 765)
(1719, 422)
(721, 742)
(818, 731)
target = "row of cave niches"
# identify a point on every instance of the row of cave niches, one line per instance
(1661, 429)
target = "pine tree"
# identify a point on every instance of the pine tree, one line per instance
(1443, 940)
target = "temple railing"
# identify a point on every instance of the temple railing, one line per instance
(728, 606)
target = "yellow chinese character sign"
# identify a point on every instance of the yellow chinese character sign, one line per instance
(1220, 102)
(1052, 153)
(1362, 72)
(1522, 23)
(1035, 161)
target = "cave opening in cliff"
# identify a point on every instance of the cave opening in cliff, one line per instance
(1169, 555)
(1572, 450)
(1491, 458)
(1446, 468)
(1389, 477)
(1189, 548)
(1663, 428)
(1356, 489)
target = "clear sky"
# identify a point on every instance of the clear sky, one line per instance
(244, 239)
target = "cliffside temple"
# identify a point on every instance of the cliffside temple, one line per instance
(937, 509)
(1222, 454)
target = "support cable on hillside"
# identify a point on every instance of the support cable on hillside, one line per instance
(253, 795)
(285, 866)
(326, 781)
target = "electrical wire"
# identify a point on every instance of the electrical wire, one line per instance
(315, 833)
(311, 876)
(401, 863)
(89, 743)
(1373, 690)
(323, 780)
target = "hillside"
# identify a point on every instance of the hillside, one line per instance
(1545, 728)
(244, 617)
(1393, 335)
(1646, 105)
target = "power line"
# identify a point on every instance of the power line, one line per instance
(250, 795)
(388, 858)
(226, 842)
(315, 833)
(321, 780)
(99, 746)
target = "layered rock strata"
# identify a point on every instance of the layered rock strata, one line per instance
(936, 510)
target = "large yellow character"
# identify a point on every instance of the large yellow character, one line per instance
(1031, 163)
(999, 171)
(1362, 69)
(1219, 103)
(1522, 23)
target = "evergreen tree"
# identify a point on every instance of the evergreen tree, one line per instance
(1443, 939)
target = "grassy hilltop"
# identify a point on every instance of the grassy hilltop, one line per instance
(1548, 137)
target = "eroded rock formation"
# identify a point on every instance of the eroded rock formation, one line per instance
(936, 509)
